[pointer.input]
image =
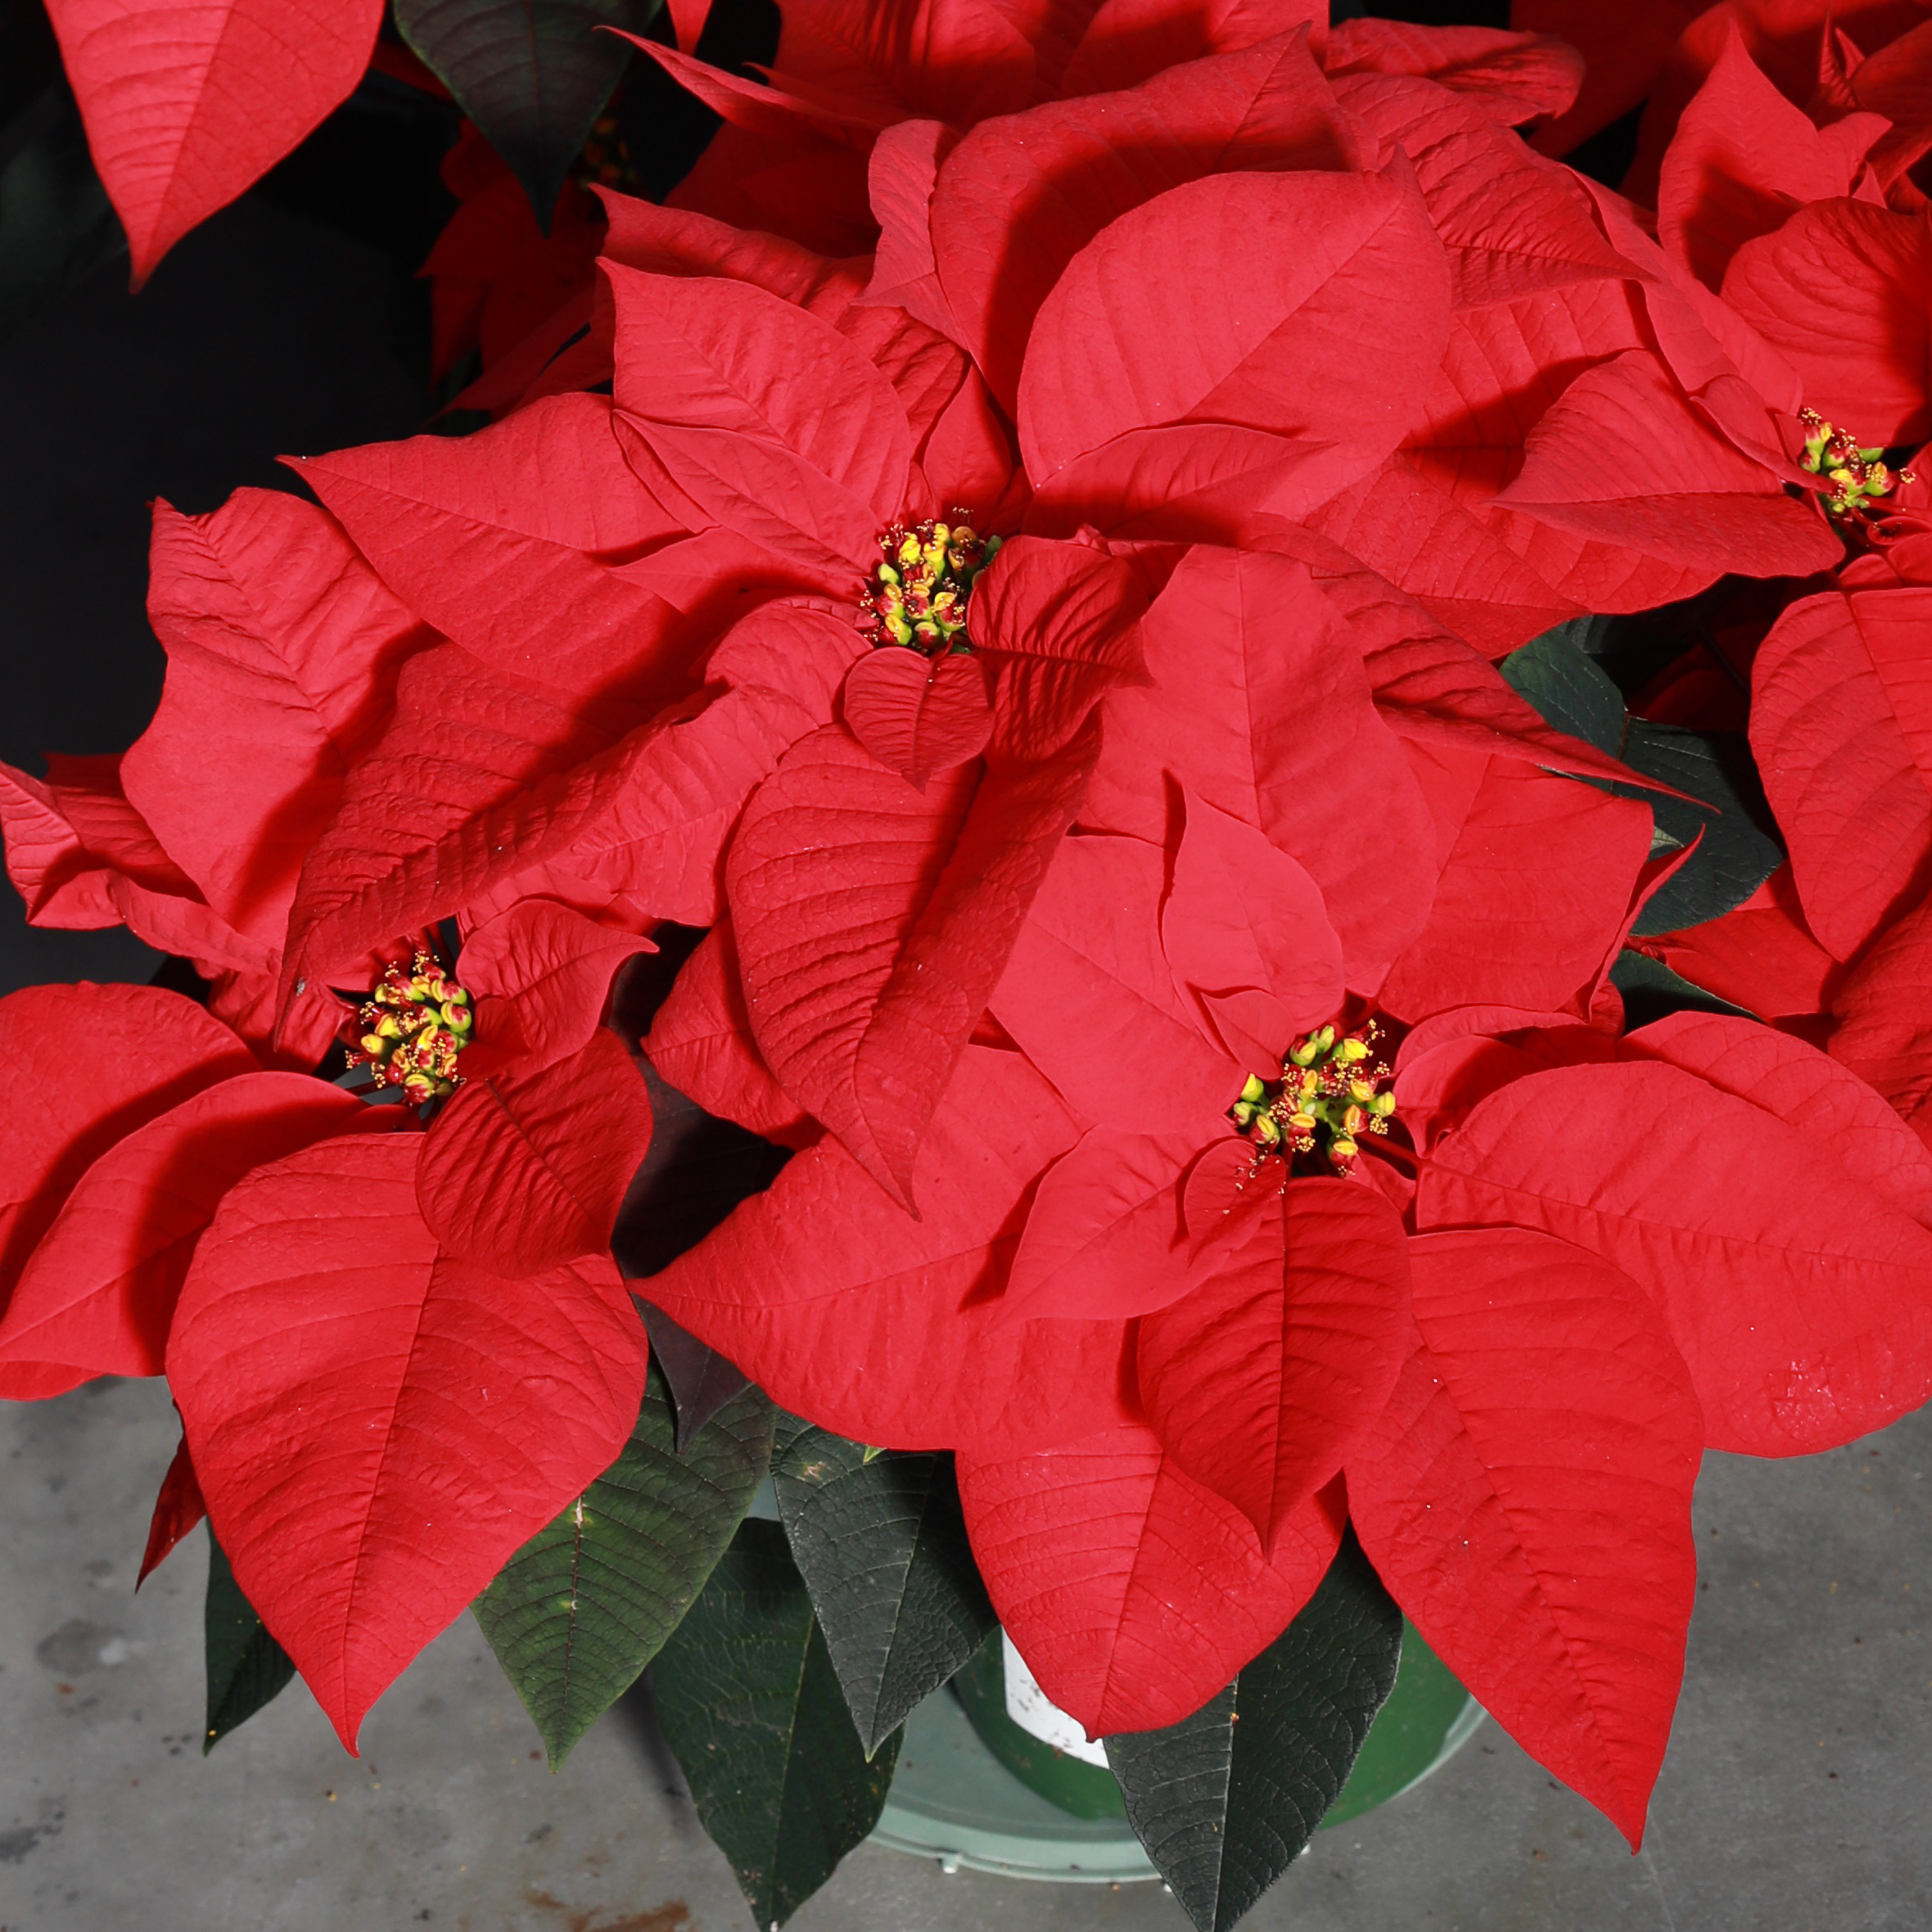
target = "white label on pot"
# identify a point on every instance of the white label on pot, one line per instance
(1039, 1716)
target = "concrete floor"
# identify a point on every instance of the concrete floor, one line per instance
(1795, 1798)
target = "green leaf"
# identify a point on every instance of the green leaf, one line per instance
(246, 1666)
(575, 1615)
(1735, 856)
(1651, 990)
(1224, 1800)
(533, 74)
(701, 1381)
(1552, 674)
(750, 1705)
(881, 1540)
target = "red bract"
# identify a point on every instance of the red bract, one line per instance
(527, 1166)
(1767, 1200)
(82, 1067)
(377, 1424)
(1841, 722)
(1133, 1593)
(284, 650)
(1526, 1495)
(1885, 1017)
(187, 103)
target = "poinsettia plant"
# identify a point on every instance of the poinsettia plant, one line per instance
(1148, 810)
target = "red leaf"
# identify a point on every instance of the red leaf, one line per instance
(1621, 458)
(1622, 52)
(1835, 261)
(80, 1067)
(481, 780)
(1056, 623)
(1526, 1495)
(1536, 875)
(1260, 1381)
(188, 103)
(524, 1171)
(767, 415)
(377, 1425)
(1256, 290)
(1104, 1239)
(1060, 173)
(1512, 222)
(902, 176)
(1762, 956)
(917, 716)
(1884, 1013)
(283, 648)
(701, 1042)
(1741, 156)
(1130, 41)
(1841, 723)
(1454, 562)
(675, 242)
(505, 541)
(99, 1292)
(1133, 1593)
(1797, 1295)
(1245, 929)
(1254, 685)
(1819, 1096)
(543, 973)
(1513, 77)
(893, 1331)
(1209, 483)
(178, 1508)
(1090, 997)
(69, 836)
(873, 921)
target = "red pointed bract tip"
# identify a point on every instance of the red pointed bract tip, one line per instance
(1857, 476)
(410, 1030)
(917, 597)
(1331, 1092)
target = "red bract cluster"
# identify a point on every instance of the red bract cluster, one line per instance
(1032, 593)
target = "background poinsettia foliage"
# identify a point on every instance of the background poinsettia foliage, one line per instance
(1134, 801)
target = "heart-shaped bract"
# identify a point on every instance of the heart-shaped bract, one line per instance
(917, 715)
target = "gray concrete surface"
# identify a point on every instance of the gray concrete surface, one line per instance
(1794, 1799)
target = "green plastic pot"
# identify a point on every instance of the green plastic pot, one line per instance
(974, 1788)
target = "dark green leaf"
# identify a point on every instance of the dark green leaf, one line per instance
(246, 1666)
(1224, 1800)
(751, 1706)
(699, 1379)
(1551, 673)
(533, 74)
(1593, 636)
(575, 1615)
(57, 226)
(881, 1539)
(1651, 990)
(699, 1167)
(1734, 855)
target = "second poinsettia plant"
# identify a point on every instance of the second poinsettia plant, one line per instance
(1196, 823)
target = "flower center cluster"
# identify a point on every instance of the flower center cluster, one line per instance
(411, 1028)
(917, 596)
(1856, 475)
(1331, 1092)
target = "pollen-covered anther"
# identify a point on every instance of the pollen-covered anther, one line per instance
(1858, 475)
(410, 1030)
(1331, 1093)
(918, 595)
